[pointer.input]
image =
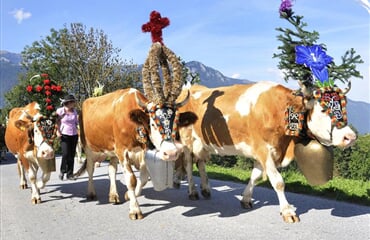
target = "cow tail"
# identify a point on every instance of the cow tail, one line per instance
(81, 170)
(83, 142)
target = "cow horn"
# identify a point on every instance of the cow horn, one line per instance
(180, 104)
(139, 102)
(345, 91)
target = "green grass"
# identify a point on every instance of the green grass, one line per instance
(353, 191)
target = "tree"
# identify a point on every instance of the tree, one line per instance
(78, 59)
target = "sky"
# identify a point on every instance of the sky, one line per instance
(235, 37)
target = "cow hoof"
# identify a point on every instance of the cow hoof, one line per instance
(136, 216)
(114, 199)
(36, 201)
(194, 196)
(23, 186)
(176, 185)
(246, 205)
(206, 194)
(291, 219)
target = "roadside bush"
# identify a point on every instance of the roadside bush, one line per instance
(354, 162)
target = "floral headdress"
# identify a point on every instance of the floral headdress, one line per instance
(301, 58)
(45, 92)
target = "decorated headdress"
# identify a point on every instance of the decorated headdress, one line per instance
(302, 59)
(45, 92)
(160, 56)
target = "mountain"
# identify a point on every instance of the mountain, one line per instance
(9, 69)
(358, 112)
(211, 77)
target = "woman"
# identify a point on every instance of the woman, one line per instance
(67, 130)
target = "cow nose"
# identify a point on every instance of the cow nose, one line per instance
(47, 154)
(349, 139)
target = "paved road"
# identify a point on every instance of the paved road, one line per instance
(168, 215)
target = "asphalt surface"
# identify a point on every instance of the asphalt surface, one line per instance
(168, 215)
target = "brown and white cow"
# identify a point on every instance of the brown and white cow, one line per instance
(249, 120)
(28, 137)
(115, 126)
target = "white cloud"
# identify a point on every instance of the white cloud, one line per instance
(235, 75)
(365, 4)
(20, 15)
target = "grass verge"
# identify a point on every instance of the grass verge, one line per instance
(353, 191)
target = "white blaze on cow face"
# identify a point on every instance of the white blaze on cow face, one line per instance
(161, 128)
(320, 125)
(44, 149)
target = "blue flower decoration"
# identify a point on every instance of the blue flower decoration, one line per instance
(314, 58)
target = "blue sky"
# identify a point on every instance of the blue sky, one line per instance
(236, 37)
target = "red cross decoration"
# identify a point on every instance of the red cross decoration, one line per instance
(155, 26)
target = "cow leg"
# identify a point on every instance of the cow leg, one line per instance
(256, 174)
(130, 179)
(287, 211)
(44, 179)
(112, 169)
(35, 192)
(22, 175)
(204, 184)
(91, 193)
(143, 179)
(193, 193)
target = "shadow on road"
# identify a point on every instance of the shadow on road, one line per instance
(224, 202)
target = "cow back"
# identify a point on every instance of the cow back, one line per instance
(243, 119)
(105, 122)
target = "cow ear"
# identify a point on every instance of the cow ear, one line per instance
(187, 118)
(139, 117)
(21, 125)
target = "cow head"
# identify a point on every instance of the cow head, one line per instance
(327, 116)
(162, 123)
(41, 134)
(162, 118)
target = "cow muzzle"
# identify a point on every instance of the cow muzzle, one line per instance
(45, 151)
(169, 150)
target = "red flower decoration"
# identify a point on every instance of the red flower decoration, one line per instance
(38, 88)
(43, 90)
(155, 26)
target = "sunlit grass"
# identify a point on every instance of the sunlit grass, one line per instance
(353, 191)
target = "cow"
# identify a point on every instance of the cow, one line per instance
(30, 136)
(115, 126)
(250, 120)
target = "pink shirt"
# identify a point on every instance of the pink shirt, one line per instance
(68, 122)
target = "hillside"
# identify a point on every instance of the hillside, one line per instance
(358, 112)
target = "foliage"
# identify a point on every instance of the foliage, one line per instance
(189, 76)
(354, 162)
(77, 58)
(290, 38)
